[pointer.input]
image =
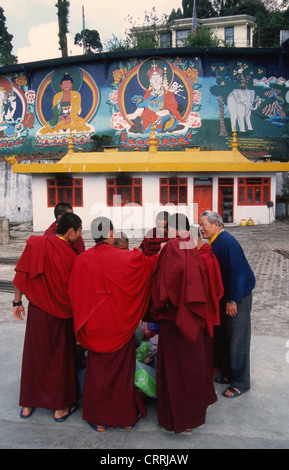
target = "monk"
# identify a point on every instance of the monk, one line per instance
(121, 241)
(215, 293)
(42, 273)
(179, 297)
(109, 291)
(60, 209)
(151, 244)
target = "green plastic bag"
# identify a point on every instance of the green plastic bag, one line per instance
(143, 351)
(145, 379)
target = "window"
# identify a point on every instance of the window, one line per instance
(229, 35)
(248, 36)
(166, 40)
(65, 190)
(253, 191)
(121, 191)
(181, 35)
(173, 191)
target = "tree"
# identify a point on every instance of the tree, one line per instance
(63, 12)
(89, 38)
(117, 45)
(145, 36)
(6, 56)
(205, 8)
(202, 37)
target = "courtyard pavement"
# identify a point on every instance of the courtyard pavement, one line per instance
(256, 420)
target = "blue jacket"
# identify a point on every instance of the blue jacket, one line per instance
(237, 275)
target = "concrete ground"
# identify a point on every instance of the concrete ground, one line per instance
(256, 420)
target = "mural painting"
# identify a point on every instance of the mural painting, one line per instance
(66, 102)
(193, 102)
(155, 91)
(16, 117)
(251, 103)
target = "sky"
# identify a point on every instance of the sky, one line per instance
(34, 23)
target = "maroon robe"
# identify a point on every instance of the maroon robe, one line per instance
(78, 246)
(48, 377)
(109, 395)
(151, 244)
(184, 377)
(48, 373)
(109, 291)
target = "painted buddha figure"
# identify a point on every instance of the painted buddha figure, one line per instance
(66, 109)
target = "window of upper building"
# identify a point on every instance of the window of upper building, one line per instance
(173, 191)
(253, 191)
(65, 190)
(181, 36)
(229, 35)
(166, 39)
(124, 190)
(248, 36)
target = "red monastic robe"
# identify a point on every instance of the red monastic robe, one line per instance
(179, 288)
(42, 274)
(151, 245)
(179, 298)
(109, 291)
(48, 374)
(78, 246)
(215, 284)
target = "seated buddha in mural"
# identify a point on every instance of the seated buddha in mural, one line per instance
(158, 105)
(66, 109)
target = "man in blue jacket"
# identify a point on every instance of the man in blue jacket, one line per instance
(235, 306)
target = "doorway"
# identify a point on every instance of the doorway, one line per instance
(226, 199)
(203, 192)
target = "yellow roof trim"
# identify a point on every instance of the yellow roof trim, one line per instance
(145, 162)
(152, 160)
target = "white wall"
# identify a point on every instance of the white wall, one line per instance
(132, 218)
(15, 195)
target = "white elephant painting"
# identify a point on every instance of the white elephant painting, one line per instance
(240, 103)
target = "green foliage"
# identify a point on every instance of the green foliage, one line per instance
(117, 45)
(202, 37)
(145, 36)
(204, 8)
(101, 141)
(6, 56)
(63, 12)
(269, 18)
(89, 38)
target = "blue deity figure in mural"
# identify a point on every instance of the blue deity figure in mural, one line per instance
(7, 110)
(158, 105)
(66, 109)
(13, 108)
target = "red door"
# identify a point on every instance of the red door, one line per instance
(203, 195)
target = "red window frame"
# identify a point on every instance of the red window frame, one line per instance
(65, 190)
(173, 191)
(254, 191)
(128, 189)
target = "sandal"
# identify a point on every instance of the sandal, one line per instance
(71, 409)
(221, 380)
(26, 416)
(97, 428)
(233, 392)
